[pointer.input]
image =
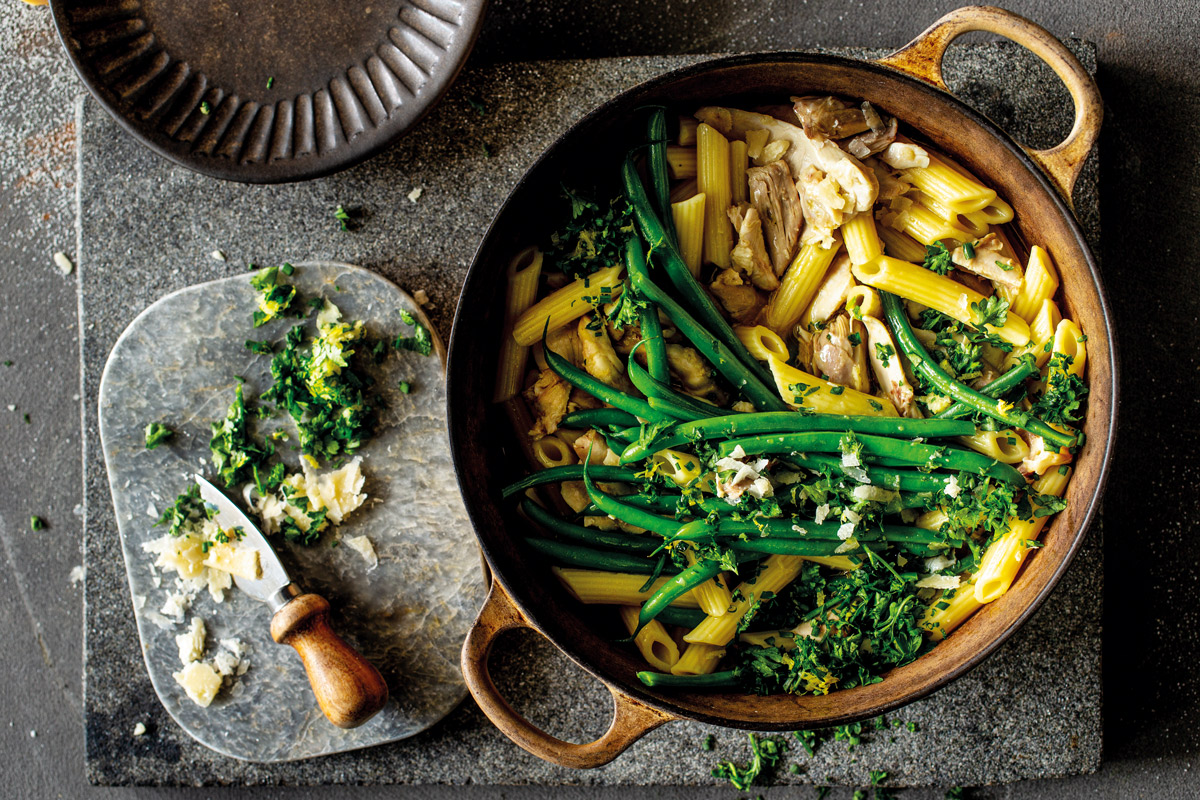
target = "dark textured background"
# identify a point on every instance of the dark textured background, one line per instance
(1147, 54)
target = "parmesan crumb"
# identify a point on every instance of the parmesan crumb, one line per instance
(421, 297)
(362, 545)
(415, 194)
(217, 255)
(952, 488)
(76, 576)
(64, 263)
(139, 729)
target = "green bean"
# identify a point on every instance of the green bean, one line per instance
(679, 585)
(630, 514)
(647, 385)
(800, 547)
(590, 536)
(572, 472)
(626, 437)
(656, 346)
(797, 529)
(791, 422)
(997, 388)
(656, 165)
(711, 346)
(900, 450)
(601, 418)
(681, 277)
(715, 680)
(666, 502)
(923, 365)
(683, 617)
(677, 411)
(579, 556)
(598, 389)
(902, 480)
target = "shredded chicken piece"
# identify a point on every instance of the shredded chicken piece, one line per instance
(891, 184)
(890, 375)
(1041, 459)
(831, 295)
(882, 132)
(548, 401)
(777, 201)
(837, 185)
(565, 342)
(905, 155)
(988, 260)
(828, 117)
(838, 358)
(750, 253)
(574, 493)
(582, 400)
(599, 358)
(594, 443)
(973, 282)
(693, 372)
(740, 299)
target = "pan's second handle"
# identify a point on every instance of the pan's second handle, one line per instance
(348, 688)
(922, 58)
(631, 719)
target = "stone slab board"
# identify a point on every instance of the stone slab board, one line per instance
(148, 228)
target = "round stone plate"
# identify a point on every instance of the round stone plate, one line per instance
(271, 91)
(176, 364)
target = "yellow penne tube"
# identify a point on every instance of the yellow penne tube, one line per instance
(843, 563)
(689, 225)
(684, 469)
(713, 596)
(863, 301)
(684, 190)
(936, 291)
(932, 520)
(1004, 557)
(972, 223)
(762, 342)
(568, 304)
(784, 640)
(652, 641)
(687, 130)
(1041, 334)
(523, 274)
(776, 573)
(712, 150)
(996, 212)
(927, 227)
(955, 187)
(552, 451)
(862, 243)
(596, 587)
(799, 285)
(1041, 282)
(802, 390)
(698, 659)
(1069, 341)
(739, 187)
(900, 245)
(1003, 446)
(950, 611)
(681, 162)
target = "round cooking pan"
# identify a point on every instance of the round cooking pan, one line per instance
(908, 84)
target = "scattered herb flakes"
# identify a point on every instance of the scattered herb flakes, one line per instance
(405, 387)
(1065, 393)
(592, 236)
(764, 755)
(421, 340)
(343, 217)
(968, 249)
(205, 108)
(485, 151)
(36, 523)
(275, 296)
(990, 311)
(955, 793)
(8, 363)
(234, 454)
(884, 352)
(937, 259)
(708, 743)
(822, 791)
(476, 104)
(270, 82)
(262, 348)
(156, 434)
(855, 339)
(187, 508)
(28, 421)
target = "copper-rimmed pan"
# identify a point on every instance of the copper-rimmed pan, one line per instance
(908, 84)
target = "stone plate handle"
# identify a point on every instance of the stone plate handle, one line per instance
(631, 719)
(922, 59)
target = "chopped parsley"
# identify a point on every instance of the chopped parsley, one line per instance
(990, 311)
(275, 296)
(187, 509)
(36, 523)
(937, 259)
(421, 340)
(1065, 393)
(592, 237)
(205, 108)
(235, 455)
(405, 387)
(708, 742)
(270, 82)
(855, 339)
(1004, 265)
(156, 434)
(262, 348)
(884, 352)
(764, 755)
(836, 389)
(968, 249)
(343, 217)
(477, 105)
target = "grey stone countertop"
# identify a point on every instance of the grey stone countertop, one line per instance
(1146, 52)
(148, 228)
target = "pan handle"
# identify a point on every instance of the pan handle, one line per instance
(922, 59)
(631, 720)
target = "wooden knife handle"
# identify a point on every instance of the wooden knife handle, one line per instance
(348, 688)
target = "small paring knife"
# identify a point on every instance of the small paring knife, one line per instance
(348, 688)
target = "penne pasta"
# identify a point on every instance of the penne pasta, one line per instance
(1069, 341)
(936, 291)
(800, 282)
(858, 234)
(973, 223)
(819, 396)
(1006, 446)
(687, 130)
(762, 342)
(927, 227)
(568, 304)
(681, 162)
(712, 177)
(713, 595)
(698, 659)
(689, 225)
(523, 274)
(1041, 282)
(551, 451)
(738, 163)
(863, 301)
(776, 573)
(592, 587)
(900, 245)
(950, 611)
(954, 187)
(652, 641)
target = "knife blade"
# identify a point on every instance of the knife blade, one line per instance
(348, 688)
